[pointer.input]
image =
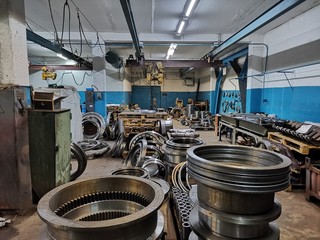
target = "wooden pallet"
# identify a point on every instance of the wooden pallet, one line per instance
(291, 143)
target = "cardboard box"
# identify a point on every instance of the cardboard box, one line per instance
(46, 101)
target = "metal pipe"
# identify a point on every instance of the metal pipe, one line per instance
(126, 7)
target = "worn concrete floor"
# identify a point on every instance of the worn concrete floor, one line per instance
(300, 219)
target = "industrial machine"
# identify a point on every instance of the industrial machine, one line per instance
(15, 177)
(49, 141)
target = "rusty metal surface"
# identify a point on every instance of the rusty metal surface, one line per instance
(15, 179)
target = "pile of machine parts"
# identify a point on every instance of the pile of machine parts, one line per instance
(114, 207)
(306, 132)
(234, 196)
(145, 152)
(144, 120)
(199, 120)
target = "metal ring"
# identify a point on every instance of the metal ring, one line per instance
(132, 171)
(146, 198)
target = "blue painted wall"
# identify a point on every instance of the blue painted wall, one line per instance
(168, 99)
(203, 96)
(299, 104)
(253, 100)
(106, 98)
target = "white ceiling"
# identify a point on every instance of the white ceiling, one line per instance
(156, 22)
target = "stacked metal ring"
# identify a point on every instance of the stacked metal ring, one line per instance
(176, 148)
(115, 207)
(235, 193)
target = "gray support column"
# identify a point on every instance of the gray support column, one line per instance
(13, 43)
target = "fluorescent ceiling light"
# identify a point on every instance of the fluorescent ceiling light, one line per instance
(61, 56)
(173, 45)
(71, 62)
(182, 23)
(170, 51)
(190, 7)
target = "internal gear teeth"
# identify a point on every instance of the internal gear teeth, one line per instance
(100, 196)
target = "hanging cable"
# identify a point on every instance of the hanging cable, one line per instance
(69, 28)
(54, 25)
(63, 19)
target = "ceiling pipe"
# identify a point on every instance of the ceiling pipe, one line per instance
(31, 36)
(267, 17)
(126, 7)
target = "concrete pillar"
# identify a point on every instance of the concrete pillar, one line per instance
(99, 78)
(13, 43)
(213, 81)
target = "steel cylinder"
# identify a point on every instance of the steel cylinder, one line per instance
(234, 197)
(176, 148)
(115, 207)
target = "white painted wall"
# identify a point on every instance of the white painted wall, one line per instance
(64, 78)
(303, 29)
(300, 30)
(231, 83)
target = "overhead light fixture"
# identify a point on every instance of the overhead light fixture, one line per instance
(171, 49)
(190, 7)
(182, 23)
(61, 56)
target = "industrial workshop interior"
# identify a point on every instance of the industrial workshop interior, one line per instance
(160, 119)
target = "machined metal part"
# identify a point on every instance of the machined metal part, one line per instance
(184, 132)
(232, 224)
(93, 125)
(199, 231)
(237, 167)
(118, 146)
(81, 157)
(235, 202)
(234, 197)
(148, 135)
(164, 185)
(182, 207)
(175, 149)
(115, 207)
(88, 144)
(155, 167)
(132, 171)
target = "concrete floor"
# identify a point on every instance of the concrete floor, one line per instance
(299, 220)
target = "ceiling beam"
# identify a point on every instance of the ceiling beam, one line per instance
(58, 67)
(176, 63)
(31, 36)
(267, 17)
(126, 7)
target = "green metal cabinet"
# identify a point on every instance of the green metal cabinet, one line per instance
(49, 143)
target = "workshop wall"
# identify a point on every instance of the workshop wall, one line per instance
(291, 87)
(116, 91)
